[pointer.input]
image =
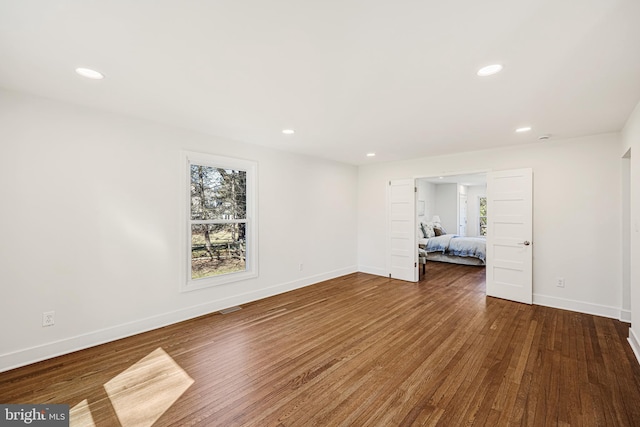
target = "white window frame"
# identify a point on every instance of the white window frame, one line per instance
(251, 271)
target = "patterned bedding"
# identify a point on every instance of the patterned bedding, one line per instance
(452, 244)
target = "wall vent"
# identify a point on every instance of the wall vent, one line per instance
(230, 309)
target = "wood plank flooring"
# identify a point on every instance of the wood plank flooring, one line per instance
(359, 350)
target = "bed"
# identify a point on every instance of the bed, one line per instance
(455, 249)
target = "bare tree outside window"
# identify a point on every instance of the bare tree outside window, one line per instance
(483, 216)
(218, 221)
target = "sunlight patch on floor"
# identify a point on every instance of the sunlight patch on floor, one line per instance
(80, 415)
(145, 391)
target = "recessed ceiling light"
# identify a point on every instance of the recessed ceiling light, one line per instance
(441, 177)
(371, 154)
(489, 70)
(288, 131)
(89, 73)
(523, 129)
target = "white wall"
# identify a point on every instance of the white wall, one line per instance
(447, 206)
(576, 202)
(631, 140)
(90, 228)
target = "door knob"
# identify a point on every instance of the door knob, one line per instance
(526, 243)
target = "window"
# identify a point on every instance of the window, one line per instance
(221, 223)
(483, 215)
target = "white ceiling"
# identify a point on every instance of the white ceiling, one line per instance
(350, 76)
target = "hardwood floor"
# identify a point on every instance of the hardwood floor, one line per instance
(359, 350)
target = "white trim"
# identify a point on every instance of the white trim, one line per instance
(69, 345)
(635, 344)
(186, 283)
(373, 270)
(625, 316)
(447, 174)
(578, 306)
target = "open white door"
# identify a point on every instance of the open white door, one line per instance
(509, 235)
(462, 214)
(401, 243)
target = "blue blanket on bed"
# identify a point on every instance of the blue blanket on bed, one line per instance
(438, 243)
(452, 244)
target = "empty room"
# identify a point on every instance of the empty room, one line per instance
(320, 213)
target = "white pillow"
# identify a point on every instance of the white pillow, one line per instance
(427, 230)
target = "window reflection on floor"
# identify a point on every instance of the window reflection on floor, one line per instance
(142, 393)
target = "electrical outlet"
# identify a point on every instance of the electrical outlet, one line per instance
(560, 282)
(48, 318)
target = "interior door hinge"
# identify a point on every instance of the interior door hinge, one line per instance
(415, 264)
(389, 275)
(415, 189)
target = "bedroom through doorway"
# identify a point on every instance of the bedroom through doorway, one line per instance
(507, 250)
(451, 215)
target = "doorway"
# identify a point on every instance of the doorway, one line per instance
(443, 201)
(454, 200)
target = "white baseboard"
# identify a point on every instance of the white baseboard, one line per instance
(69, 345)
(579, 306)
(549, 301)
(373, 270)
(635, 344)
